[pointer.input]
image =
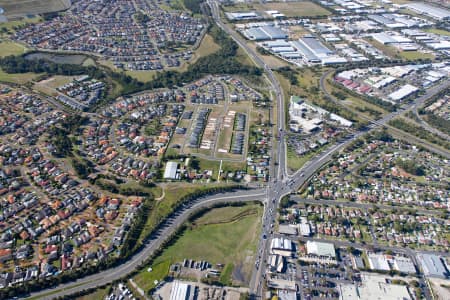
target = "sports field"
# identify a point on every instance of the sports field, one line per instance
(18, 8)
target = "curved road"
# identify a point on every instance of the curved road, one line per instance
(280, 185)
(165, 231)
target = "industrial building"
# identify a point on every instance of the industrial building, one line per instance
(320, 249)
(403, 92)
(437, 13)
(241, 16)
(171, 170)
(378, 261)
(403, 264)
(390, 37)
(265, 33)
(276, 263)
(433, 265)
(181, 291)
(298, 121)
(314, 51)
(282, 246)
(287, 229)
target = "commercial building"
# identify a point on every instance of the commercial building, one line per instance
(286, 295)
(433, 265)
(297, 110)
(170, 172)
(282, 246)
(305, 229)
(276, 263)
(378, 262)
(320, 249)
(403, 264)
(374, 287)
(287, 229)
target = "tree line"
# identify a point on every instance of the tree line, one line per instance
(223, 61)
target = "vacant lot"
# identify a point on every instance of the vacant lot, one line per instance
(438, 31)
(415, 55)
(32, 7)
(230, 234)
(17, 78)
(295, 9)
(10, 48)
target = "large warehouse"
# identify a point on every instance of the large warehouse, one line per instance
(314, 51)
(265, 33)
(437, 13)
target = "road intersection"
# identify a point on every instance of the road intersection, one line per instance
(280, 185)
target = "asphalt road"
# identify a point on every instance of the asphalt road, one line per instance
(280, 185)
(166, 230)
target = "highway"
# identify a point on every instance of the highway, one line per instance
(279, 186)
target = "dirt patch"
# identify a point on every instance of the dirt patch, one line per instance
(238, 274)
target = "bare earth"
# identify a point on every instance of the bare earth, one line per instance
(20, 8)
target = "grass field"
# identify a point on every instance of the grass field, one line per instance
(295, 161)
(230, 243)
(438, 31)
(17, 78)
(11, 48)
(415, 55)
(32, 7)
(97, 294)
(207, 46)
(9, 26)
(271, 60)
(387, 50)
(143, 76)
(173, 193)
(294, 9)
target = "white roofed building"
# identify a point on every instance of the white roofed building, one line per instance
(320, 249)
(281, 246)
(170, 172)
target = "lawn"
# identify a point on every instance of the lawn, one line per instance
(232, 244)
(11, 48)
(294, 9)
(32, 7)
